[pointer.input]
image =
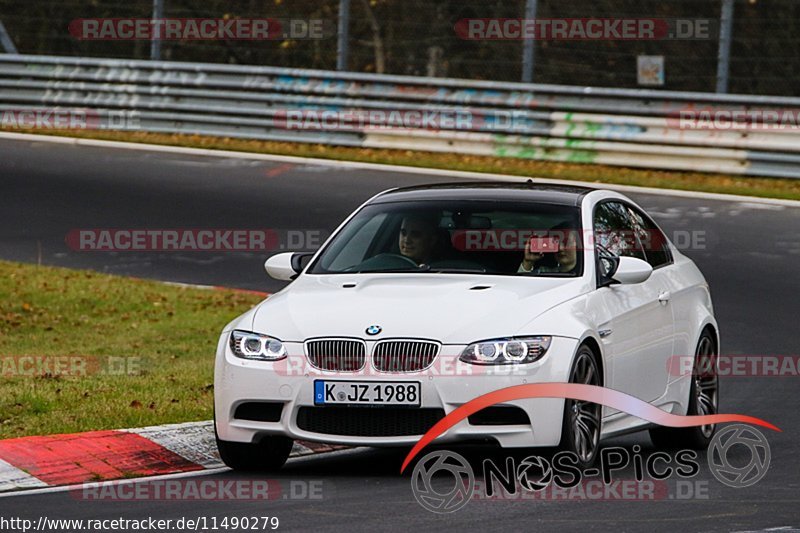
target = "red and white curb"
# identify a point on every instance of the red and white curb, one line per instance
(70, 459)
(58, 460)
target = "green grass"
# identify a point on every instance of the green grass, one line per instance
(689, 181)
(163, 339)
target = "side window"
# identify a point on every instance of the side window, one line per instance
(615, 231)
(653, 240)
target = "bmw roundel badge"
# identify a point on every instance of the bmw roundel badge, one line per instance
(374, 330)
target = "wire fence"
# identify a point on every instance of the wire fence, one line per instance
(468, 39)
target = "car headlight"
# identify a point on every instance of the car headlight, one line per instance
(514, 350)
(255, 346)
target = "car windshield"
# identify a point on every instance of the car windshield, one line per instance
(476, 237)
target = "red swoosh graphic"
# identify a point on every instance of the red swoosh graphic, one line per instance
(590, 393)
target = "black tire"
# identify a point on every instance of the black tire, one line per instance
(580, 430)
(703, 400)
(267, 455)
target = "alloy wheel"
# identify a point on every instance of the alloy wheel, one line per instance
(585, 416)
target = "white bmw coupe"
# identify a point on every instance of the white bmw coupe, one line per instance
(428, 297)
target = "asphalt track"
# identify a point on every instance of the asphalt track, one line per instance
(750, 255)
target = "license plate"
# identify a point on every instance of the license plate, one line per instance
(367, 393)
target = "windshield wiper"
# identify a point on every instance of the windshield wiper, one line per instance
(382, 270)
(456, 270)
(425, 268)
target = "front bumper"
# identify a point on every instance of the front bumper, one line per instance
(446, 385)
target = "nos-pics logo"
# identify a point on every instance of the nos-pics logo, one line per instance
(444, 482)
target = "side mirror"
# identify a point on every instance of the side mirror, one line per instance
(631, 270)
(286, 266)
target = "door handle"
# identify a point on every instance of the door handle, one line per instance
(664, 297)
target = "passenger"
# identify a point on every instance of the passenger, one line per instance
(565, 260)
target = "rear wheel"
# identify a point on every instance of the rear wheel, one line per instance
(580, 433)
(703, 400)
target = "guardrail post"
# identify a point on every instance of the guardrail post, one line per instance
(724, 56)
(343, 35)
(528, 46)
(155, 44)
(5, 40)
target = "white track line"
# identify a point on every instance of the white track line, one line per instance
(354, 165)
(12, 478)
(126, 481)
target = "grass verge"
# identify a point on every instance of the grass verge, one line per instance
(689, 181)
(141, 352)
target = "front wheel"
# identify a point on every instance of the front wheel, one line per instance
(580, 433)
(703, 400)
(267, 455)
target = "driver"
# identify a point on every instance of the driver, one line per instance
(419, 238)
(565, 260)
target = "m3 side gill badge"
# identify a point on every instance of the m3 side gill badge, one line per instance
(374, 329)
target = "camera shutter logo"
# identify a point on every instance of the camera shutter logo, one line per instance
(719, 461)
(534, 473)
(458, 491)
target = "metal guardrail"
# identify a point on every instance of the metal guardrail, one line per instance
(635, 128)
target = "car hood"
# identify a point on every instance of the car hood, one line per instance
(450, 308)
